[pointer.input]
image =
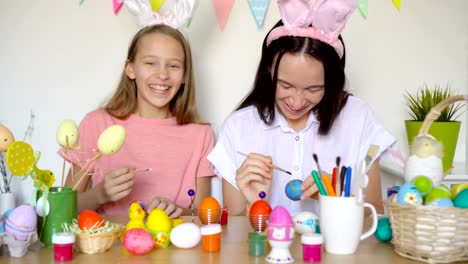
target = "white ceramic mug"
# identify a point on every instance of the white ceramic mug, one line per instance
(341, 223)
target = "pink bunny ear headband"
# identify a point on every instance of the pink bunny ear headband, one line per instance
(180, 13)
(328, 18)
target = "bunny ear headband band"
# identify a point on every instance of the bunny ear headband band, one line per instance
(327, 17)
(180, 13)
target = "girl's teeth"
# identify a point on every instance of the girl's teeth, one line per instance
(159, 87)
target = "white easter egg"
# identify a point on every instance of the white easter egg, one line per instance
(185, 235)
(67, 129)
(111, 139)
(305, 222)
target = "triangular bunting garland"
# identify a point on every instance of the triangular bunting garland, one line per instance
(362, 6)
(397, 3)
(156, 5)
(223, 9)
(258, 9)
(117, 5)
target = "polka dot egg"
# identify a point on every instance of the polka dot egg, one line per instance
(461, 201)
(409, 194)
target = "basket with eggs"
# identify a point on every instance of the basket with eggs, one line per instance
(93, 233)
(429, 220)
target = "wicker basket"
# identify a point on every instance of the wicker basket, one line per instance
(430, 234)
(98, 242)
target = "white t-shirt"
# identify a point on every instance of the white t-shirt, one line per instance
(353, 131)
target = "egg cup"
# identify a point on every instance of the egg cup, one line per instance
(209, 216)
(259, 221)
(19, 248)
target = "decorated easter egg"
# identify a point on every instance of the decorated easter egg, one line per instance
(67, 134)
(19, 158)
(305, 222)
(461, 201)
(186, 235)
(409, 194)
(442, 202)
(260, 207)
(21, 222)
(441, 191)
(111, 139)
(457, 188)
(137, 241)
(423, 184)
(6, 138)
(384, 230)
(89, 219)
(158, 221)
(209, 203)
(293, 190)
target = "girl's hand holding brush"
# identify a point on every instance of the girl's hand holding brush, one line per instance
(254, 176)
(116, 185)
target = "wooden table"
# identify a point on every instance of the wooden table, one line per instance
(234, 249)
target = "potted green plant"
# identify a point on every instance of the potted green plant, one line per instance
(445, 129)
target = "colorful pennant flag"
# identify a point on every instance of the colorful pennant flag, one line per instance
(156, 5)
(258, 9)
(223, 9)
(117, 5)
(362, 6)
(397, 3)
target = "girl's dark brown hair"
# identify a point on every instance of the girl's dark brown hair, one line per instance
(262, 95)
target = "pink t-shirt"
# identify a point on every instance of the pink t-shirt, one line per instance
(175, 153)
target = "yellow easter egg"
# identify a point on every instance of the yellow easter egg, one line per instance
(457, 188)
(67, 129)
(158, 221)
(19, 158)
(6, 138)
(111, 139)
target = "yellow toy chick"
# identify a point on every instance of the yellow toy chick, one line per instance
(159, 225)
(425, 159)
(136, 216)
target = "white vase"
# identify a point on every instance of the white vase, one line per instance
(7, 201)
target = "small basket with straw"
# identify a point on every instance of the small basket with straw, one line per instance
(430, 234)
(94, 240)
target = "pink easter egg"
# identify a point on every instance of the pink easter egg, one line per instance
(137, 241)
(21, 222)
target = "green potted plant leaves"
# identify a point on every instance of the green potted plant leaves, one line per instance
(445, 129)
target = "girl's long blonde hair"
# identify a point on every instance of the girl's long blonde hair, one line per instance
(182, 106)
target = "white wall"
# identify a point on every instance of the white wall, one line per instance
(62, 60)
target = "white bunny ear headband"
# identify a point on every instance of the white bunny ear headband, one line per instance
(179, 14)
(327, 17)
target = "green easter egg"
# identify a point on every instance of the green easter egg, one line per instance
(423, 184)
(441, 191)
(461, 201)
(457, 188)
(384, 230)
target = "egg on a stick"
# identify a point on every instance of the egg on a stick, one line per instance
(109, 142)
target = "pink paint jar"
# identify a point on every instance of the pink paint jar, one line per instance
(63, 246)
(312, 247)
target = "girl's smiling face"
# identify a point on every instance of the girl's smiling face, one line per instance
(300, 87)
(159, 71)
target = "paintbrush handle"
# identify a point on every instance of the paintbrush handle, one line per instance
(270, 165)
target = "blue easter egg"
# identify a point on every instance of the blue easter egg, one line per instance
(461, 201)
(409, 194)
(442, 202)
(293, 190)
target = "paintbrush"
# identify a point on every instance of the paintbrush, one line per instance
(136, 171)
(336, 172)
(270, 165)
(315, 156)
(371, 152)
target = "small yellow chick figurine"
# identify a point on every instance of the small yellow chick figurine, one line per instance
(136, 216)
(425, 159)
(159, 225)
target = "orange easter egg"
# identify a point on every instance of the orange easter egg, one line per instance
(260, 207)
(209, 210)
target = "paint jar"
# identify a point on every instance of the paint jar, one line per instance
(211, 237)
(257, 244)
(63, 246)
(312, 247)
(224, 215)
